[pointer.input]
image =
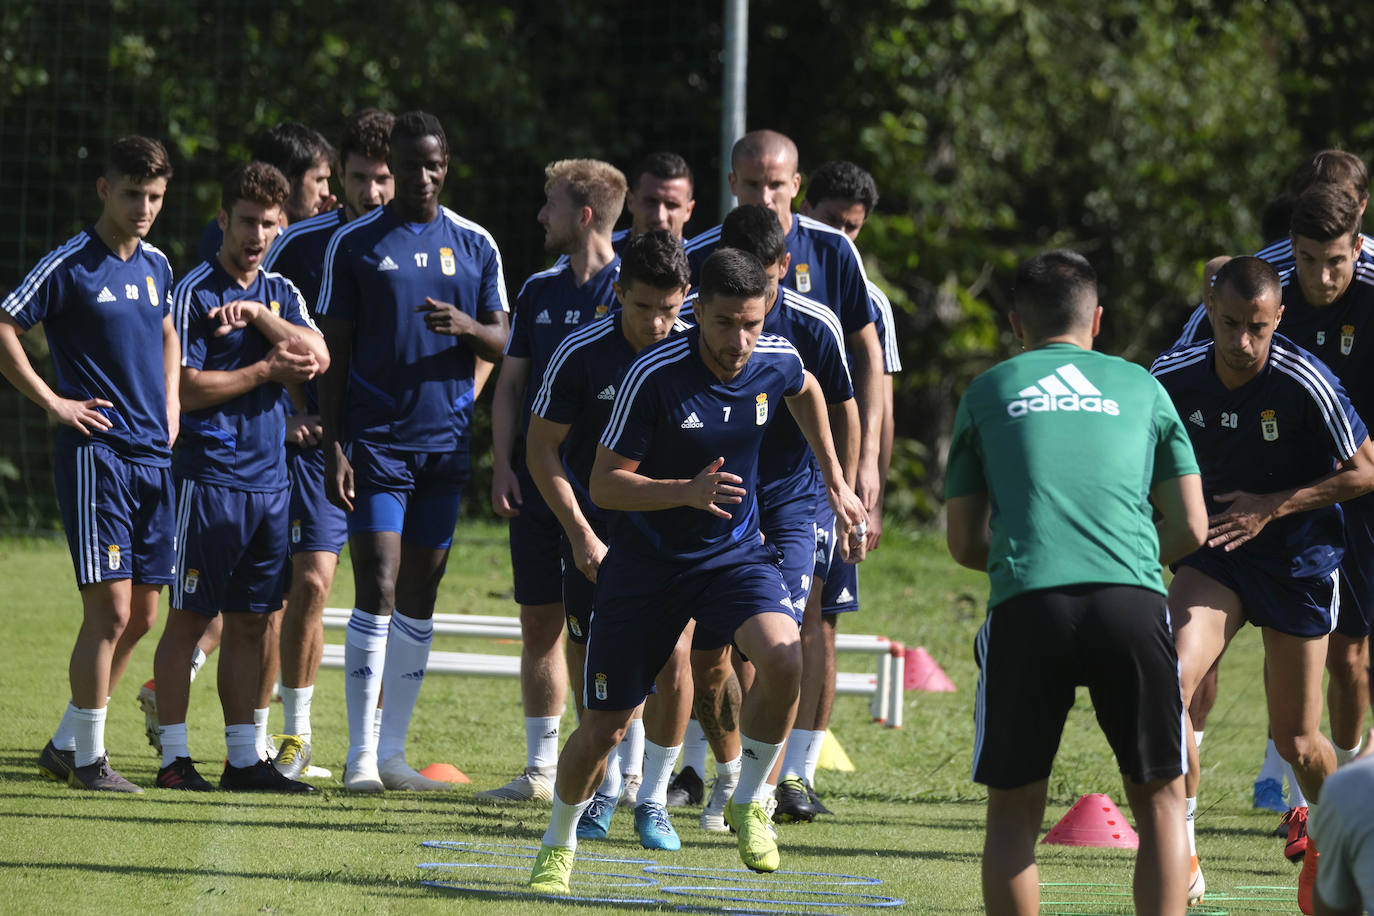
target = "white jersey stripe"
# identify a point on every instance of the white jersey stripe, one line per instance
(1178, 359)
(594, 331)
(1337, 423)
(980, 698)
(16, 300)
(181, 303)
(671, 352)
(87, 529)
(500, 271)
(178, 597)
(327, 274)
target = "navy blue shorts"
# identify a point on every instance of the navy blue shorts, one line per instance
(231, 549)
(415, 494)
(642, 606)
(118, 516)
(578, 590)
(1304, 607)
(1357, 568)
(839, 580)
(317, 525)
(534, 547)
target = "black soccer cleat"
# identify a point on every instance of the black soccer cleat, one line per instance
(687, 788)
(100, 777)
(816, 800)
(260, 777)
(181, 774)
(793, 804)
(56, 764)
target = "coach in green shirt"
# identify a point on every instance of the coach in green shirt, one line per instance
(1060, 457)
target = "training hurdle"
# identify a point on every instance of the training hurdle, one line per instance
(884, 687)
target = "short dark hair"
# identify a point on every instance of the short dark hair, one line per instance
(1249, 277)
(664, 166)
(416, 124)
(1325, 212)
(731, 272)
(656, 259)
(841, 180)
(293, 148)
(1055, 292)
(367, 133)
(1334, 166)
(754, 229)
(259, 182)
(139, 158)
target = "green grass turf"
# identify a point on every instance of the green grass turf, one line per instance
(908, 816)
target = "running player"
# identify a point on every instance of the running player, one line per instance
(412, 295)
(1279, 445)
(245, 333)
(1056, 458)
(318, 529)
(104, 298)
(681, 448)
(584, 198)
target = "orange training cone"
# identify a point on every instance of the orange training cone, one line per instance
(923, 673)
(1093, 821)
(444, 772)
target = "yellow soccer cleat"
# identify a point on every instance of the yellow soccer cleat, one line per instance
(552, 870)
(758, 844)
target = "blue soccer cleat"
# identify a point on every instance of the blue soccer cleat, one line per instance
(654, 829)
(595, 822)
(1269, 795)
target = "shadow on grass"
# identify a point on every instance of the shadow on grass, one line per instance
(330, 876)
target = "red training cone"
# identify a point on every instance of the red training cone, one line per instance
(1093, 821)
(923, 673)
(444, 772)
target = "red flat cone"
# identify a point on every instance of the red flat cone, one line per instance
(923, 673)
(1093, 821)
(444, 772)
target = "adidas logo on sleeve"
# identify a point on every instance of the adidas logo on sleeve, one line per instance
(693, 422)
(1067, 389)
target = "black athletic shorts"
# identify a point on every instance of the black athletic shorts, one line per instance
(1036, 648)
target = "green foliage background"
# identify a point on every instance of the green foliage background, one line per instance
(1148, 134)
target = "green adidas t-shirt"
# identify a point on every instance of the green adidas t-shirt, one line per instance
(1067, 444)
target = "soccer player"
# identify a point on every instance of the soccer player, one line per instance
(584, 198)
(660, 195)
(1056, 458)
(678, 461)
(318, 529)
(1279, 444)
(412, 294)
(569, 413)
(245, 332)
(104, 298)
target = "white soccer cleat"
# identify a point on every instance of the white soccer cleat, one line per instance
(534, 784)
(397, 774)
(1197, 887)
(361, 775)
(713, 815)
(629, 795)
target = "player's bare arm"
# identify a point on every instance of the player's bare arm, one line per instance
(486, 337)
(171, 372)
(875, 517)
(966, 530)
(808, 409)
(284, 363)
(15, 366)
(542, 443)
(1248, 513)
(615, 484)
(868, 391)
(333, 386)
(844, 429)
(1182, 525)
(506, 411)
(242, 313)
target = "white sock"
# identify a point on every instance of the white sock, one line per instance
(174, 744)
(407, 653)
(295, 705)
(1197, 738)
(1273, 765)
(242, 743)
(541, 741)
(64, 739)
(614, 783)
(757, 762)
(694, 746)
(794, 756)
(658, 772)
(1344, 756)
(260, 732)
(632, 748)
(729, 767)
(563, 823)
(197, 662)
(364, 656)
(1192, 839)
(1295, 797)
(813, 756)
(88, 725)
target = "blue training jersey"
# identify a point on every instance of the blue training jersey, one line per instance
(103, 319)
(675, 417)
(551, 306)
(239, 443)
(887, 329)
(1289, 425)
(825, 266)
(409, 388)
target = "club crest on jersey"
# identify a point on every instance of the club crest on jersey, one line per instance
(601, 686)
(1269, 425)
(112, 556)
(152, 291)
(192, 581)
(1347, 338)
(447, 263)
(761, 409)
(803, 278)
(275, 306)
(295, 531)
(575, 626)
(602, 311)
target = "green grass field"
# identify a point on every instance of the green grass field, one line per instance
(908, 817)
